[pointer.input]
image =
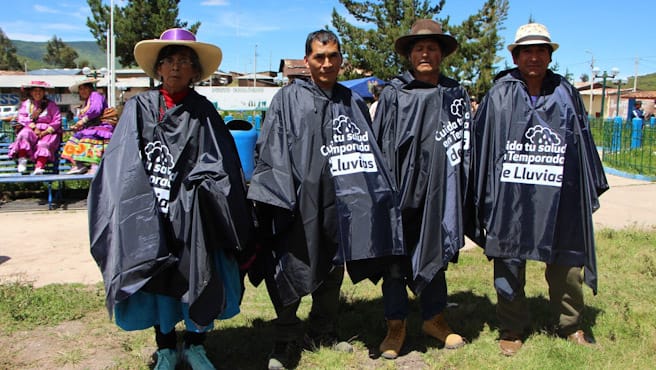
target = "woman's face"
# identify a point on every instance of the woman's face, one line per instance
(37, 93)
(84, 91)
(177, 71)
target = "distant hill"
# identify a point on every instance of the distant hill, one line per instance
(33, 52)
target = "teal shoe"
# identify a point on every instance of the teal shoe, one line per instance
(196, 357)
(166, 359)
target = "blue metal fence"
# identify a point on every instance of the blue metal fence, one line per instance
(628, 146)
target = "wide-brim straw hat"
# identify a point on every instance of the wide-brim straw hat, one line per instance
(146, 52)
(532, 34)
(75, 87)
(426, 29)
(31, 84)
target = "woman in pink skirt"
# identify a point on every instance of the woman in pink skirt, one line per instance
(38, 129)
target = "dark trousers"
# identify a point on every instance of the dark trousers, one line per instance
(432, 299)
(565, 295)
(323, 314)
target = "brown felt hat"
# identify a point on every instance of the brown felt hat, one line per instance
(426, 29)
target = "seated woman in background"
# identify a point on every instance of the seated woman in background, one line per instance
(38, 129)
(93, 129)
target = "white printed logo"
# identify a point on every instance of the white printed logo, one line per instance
(349, 150)
(451, 133)
(159, 165)
(537, 161)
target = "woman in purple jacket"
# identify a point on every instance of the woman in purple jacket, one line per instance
(92, 129)
(38, 129)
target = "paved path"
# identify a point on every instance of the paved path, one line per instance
(53, 246)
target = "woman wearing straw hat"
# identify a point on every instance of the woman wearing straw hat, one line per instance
(39, 129)
(93, 129)
(167, 208)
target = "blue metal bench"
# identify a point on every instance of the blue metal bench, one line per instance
(54, 173)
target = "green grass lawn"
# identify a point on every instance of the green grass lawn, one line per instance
(620, 318)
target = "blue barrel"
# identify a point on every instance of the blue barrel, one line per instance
(652, 121)
(636, 133)
(258, 122)
(245, 137)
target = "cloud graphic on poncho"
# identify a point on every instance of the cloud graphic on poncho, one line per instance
(159, 154)
(458, 107)
(542, 135)
(343, 125)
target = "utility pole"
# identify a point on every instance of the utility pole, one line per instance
(591, 81)
(635, 76)
(255, 67)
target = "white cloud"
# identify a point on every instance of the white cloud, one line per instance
(215, 3)
(45, 9)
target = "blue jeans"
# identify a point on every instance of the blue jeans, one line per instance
(432, 298)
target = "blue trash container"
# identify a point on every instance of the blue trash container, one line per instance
(652, 121)
(258, 122)
(245, 137)
(636, 133)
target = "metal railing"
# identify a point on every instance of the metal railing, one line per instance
(628, 146)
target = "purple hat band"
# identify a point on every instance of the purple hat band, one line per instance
(177, 34)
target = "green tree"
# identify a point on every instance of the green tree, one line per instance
(8, 58)
(371, 49)
(584, 77)
(479, 41)
(59, 54)
(137, 20)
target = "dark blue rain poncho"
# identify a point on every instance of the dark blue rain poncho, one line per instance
(423, 132)
(536, 175)
(323, 195)
(169, 194)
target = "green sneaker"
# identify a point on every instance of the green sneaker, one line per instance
(166, 359)
(196, 357)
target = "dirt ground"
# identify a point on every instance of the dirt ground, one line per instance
(53, 246)
(45, 247)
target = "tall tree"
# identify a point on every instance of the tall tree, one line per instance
(371, 49)
(59, 54)
(137, 20)
(479, 41)
(8, 58)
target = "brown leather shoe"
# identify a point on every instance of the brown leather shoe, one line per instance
(510, 344)
(438, 328)
(393, 342)
(579, 337)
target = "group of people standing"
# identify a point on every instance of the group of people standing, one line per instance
(39, 129)
(175, 228)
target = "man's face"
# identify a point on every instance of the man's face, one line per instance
(533, 60)
(324, 63)
(425, 58)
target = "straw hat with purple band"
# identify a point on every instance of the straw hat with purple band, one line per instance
(31, 84)
(426, 29)
(75, 87)
(532, 34)
(146, 52)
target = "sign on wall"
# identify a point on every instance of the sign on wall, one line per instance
(239, 98)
